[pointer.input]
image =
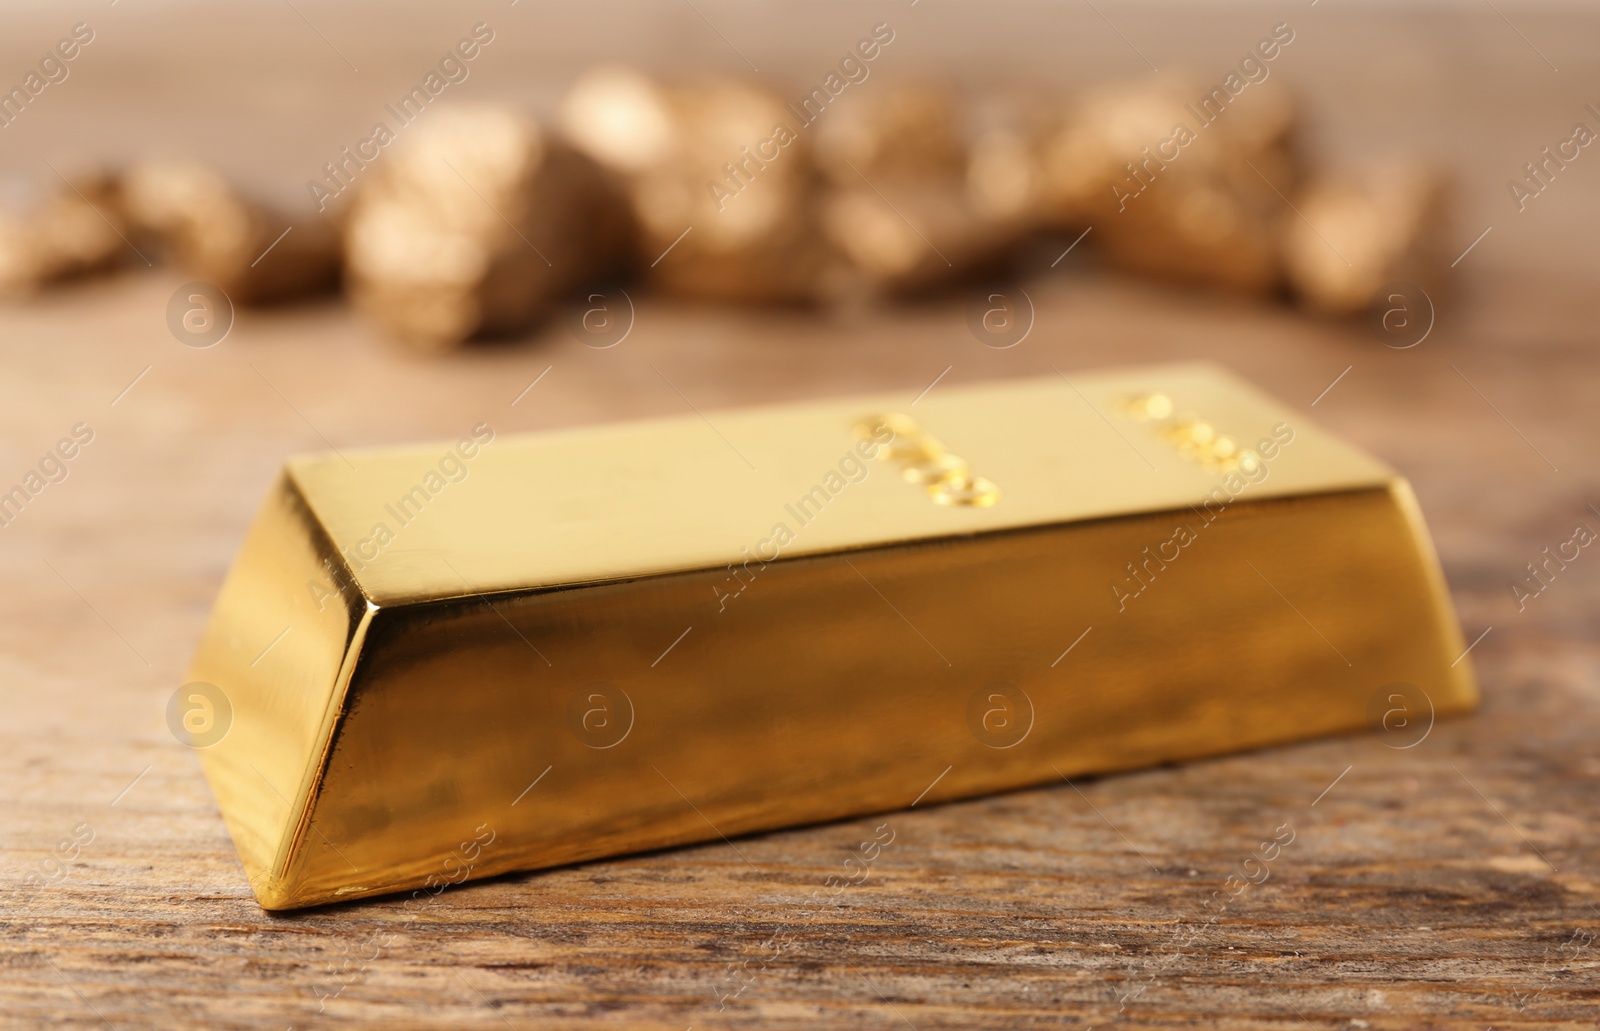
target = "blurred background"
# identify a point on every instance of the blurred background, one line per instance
(1360, 233)
(269, 92)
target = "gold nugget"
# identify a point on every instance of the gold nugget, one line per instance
(76, 230)
(257, 253)
(1177, 184)
(721, 181)
(479, 222)
(919, 197)
(1385, 223)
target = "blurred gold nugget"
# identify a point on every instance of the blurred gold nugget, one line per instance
(479, 222)
(75, 230)
(1384, 223)
(721, 181)
(921, 196)
(892, 132)
(255, 252)
(1004, 177)
(923, 132)
(1179, 181)
(908, 238)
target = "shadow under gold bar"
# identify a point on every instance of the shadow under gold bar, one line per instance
(514, 652)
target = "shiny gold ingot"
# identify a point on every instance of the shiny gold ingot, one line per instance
(516, 652)
(254, 252)
(1385, 223)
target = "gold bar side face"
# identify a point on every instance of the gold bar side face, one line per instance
(485, 727)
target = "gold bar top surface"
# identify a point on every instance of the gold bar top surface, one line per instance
(519, 512)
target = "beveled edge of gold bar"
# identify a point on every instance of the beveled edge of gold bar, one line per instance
(1463, 672)
(265, 768)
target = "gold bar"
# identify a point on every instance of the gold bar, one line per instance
(513, 652)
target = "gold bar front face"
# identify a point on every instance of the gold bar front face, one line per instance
(575, 645)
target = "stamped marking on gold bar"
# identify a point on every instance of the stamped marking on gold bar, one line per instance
(1191, 435)
(924, 461)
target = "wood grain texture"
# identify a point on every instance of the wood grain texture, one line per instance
(1453, 884)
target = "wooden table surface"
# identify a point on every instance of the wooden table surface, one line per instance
(1453, 884)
